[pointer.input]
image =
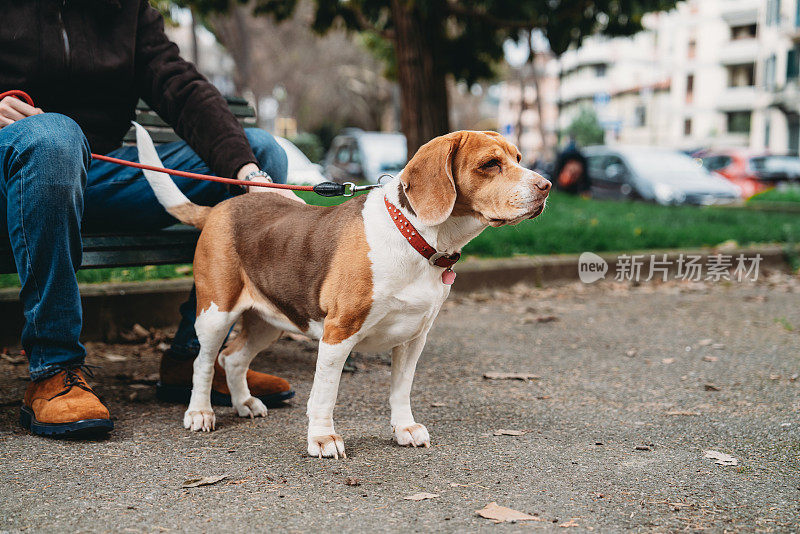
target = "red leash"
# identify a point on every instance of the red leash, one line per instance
(327, 189)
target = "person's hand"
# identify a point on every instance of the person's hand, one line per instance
(250, 167)
(13, 109)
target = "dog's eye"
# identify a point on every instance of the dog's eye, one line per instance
(493, 165)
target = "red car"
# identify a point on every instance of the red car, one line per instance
(751, 172)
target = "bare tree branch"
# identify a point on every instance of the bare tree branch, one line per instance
(364, 24)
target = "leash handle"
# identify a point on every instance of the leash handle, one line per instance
(326, 189)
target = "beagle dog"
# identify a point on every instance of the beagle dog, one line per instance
(370, 274)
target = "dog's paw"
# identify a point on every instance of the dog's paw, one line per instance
(196, 420)
(327, 446)
(415, 435)
(251, 408)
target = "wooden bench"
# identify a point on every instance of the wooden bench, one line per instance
(171, 245)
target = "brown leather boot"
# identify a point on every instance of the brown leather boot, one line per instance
(64, 406)
(176, 384)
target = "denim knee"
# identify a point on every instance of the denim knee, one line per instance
(57, 151)
(271, 157)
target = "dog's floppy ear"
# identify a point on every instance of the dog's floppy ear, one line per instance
(427, 180)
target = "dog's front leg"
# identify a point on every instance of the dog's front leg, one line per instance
(322, 438)
(404, 363)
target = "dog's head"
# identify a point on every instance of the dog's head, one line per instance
(472, 174)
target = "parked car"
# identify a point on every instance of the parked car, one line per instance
(655, 174)
(751, 172)
(359, 156)
(301, 170)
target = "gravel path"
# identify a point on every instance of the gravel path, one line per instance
(635, 384)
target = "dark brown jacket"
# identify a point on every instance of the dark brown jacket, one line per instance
(92, 59)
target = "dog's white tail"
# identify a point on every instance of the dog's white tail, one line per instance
(167, 193)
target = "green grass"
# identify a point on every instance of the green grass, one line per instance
(117, 274)
(789, 194)
(571, 225)
(574, 225)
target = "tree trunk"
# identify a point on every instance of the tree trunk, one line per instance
(537, 85)
(423, 91)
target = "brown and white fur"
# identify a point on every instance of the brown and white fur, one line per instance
(344, 274)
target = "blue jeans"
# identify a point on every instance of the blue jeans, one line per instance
(50, 189)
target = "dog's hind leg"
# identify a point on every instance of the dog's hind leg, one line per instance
(212, 326)
(256, 335)
(404, 363)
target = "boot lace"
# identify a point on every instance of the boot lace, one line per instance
(73, 379)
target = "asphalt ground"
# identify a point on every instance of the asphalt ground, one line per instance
(635, 384)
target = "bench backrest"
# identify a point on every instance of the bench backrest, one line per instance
(173, 245)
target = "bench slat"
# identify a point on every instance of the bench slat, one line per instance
(172, 245)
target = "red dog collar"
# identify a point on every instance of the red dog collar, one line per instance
(439, 259)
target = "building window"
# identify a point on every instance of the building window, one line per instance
(743, 32)
(690, 88)
(692, 50)
(797, 15)
(769, 72)
(640, 116)
(600, 70)
(767, 127)
(742, 75)
(773, 12)
(687, 127)
(738, 122)
(793, 61)
(794, 135)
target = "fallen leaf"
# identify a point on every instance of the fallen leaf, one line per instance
(421, 496)
(351, 481)
(568, 524)
(502, 432)
(204, 481)
(721, 458)
(705, 342)
(774, 377)
(501, 514)
(492, 375)
(19, 359)
(546, 319)
(139, 330)
(710, 358)
(682, 412)
(114, 357)
(711, 387)
(718, 346)
(438, 404)
(668, 360)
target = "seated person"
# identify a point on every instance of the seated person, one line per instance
(86, 64)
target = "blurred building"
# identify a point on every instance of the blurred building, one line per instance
(519, 118)
(624, 81)
(709, 73)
